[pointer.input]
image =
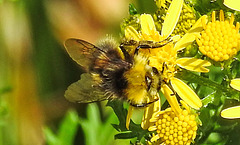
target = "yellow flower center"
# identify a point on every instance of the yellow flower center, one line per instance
(186, 21)
(164, 59)
(174, 129)
(219, 40)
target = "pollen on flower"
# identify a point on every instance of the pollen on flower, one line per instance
(172, 128)
(186, 20)
(164, 59)
(220, 39)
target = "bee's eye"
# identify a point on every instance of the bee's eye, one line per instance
(148, 81)
(155, 71)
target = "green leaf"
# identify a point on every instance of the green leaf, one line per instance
(91, 125)
(121, 113)
(207, 125)
(208, 99)
(135, 130)
(68, 128)
(107, 132)
(215, 139)
(93, 115)
(96, 132)
(51, 138)
(132, 9)
(125, 135)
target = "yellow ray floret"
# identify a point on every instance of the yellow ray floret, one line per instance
(172, 17)
(191, 35)
(132, 34)
(232, 4)
(231, 113)
(147, 25)
(149, 111)
(186, 93)
(171, 98)
(194, 64)
(235, 83)
(148, 29)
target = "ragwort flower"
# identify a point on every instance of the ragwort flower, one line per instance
(186, 20)
(232, 112)
(172, 128)
(165, 58)
(220, 39)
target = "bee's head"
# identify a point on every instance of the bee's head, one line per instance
(153, 80)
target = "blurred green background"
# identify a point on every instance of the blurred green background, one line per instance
(35, 69)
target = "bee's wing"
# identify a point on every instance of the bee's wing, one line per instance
(81, 51)
(83, 91)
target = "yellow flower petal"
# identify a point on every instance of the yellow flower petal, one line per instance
(199, 25)
(171, 98)
(193, 64)
(129, 115)
(232, 4)
(191, 35)
(235, 83)
(175, 38)
(149, 111)
(147, 24)
(186, 40)
(154, 138)
(131, 34)
(231, 113)
(172, 17)
(186, 93)
(152, 128)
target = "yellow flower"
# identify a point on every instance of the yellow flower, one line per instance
(232, 112)
(186, 19)
(165, 58)
(174, 128)
(220, 39)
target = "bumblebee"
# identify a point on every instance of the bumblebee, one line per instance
(112, 73)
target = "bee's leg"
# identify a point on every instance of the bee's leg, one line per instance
(158, 45)
(144, 104)
(141, 47)
(136, 50)
(163, 67)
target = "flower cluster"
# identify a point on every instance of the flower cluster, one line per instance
(165, 58)
(220, 40)
(169, 64)
(172, 128)
(169, 87)
(173, 28)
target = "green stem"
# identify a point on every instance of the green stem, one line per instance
(194, 78)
